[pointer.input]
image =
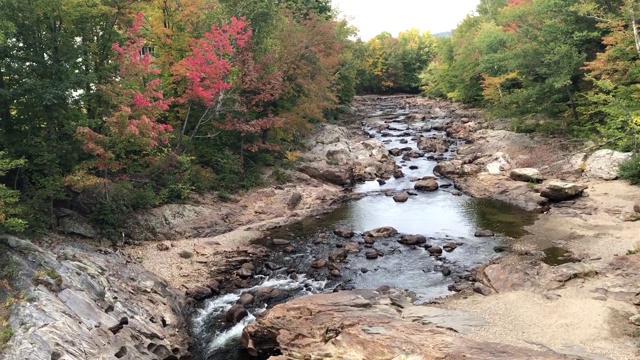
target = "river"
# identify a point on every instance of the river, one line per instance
(443, 217)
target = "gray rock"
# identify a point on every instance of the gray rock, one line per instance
(484, 233)
(280, 242)
(526, 175)
(498, 163)
(557, 190)
(344, 232)
(482, 289)
(381, 232)
(603, 164)
(245, 299)
(73, 223)
(635, 320)
(371, 254)
(236, 313)
(294, 200)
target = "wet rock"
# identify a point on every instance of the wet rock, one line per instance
(338, 175)
(413, 167)
(604, 164)
(289, 250)
(245, 299)
(526, 175)
(482, 289)
(369, 240)
(381, 182)
(319, 263)
(235, 314)
(414, 154)
(364, 270)
(450, 246)
(426, 185)
(246, 270)
(339, 255)
(484, 233)
(402, 197)
(371, 254)
(557, 190)
(456, 193)
(435, 251)
(398, 174)
(335, 273)
(446, 271)
(272, 266)
(199, 292)
(280, 242)
(344, 232)
(412, 239)
(381, 232)
(395, 152)
(294, 200)
(500, 248)
(412, 193)
(270, 295)
(214, 285)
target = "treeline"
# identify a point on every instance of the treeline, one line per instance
(569, 67)
(108, 106)
(573, 63)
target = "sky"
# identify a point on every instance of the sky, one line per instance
(372, 17)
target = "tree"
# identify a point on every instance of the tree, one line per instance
(9, 199)
(129, 136)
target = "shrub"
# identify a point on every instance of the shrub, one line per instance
(630, 169)
(280, 175)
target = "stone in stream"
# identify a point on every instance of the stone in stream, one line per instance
(371, 254)
(398, 174)
(402, 197)
(432, 144)
(289, 250)
(414, 154)
(484, 233)
(272, 266)
(364, 270)
(500, 248)
(557, 190)
(426, 185)
(381, 232)
(482, 289)
(412, 240)
(381, 182)
(435, 250)
(344, 232)
(395, 152)
(413, 167)
(245, 299)
(280, 242)
(446, 271)
(450, 246)
(411, 193)
(235, 314)
(319, 263)
(335, 273)
(199, 292)
(369, 240)
(339, 254)
(246, 270)
(270, 295)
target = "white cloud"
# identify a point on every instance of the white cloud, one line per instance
(375, 16)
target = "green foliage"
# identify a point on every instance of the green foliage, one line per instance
(280, 175)
(393, 65)
(630, 169)
(10, 209)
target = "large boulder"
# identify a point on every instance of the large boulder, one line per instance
(73, 223)
(367, 325)
(338, 175)
(556, 190)
(426, 185)
(431, 144)
(526, 175)
(603, 164)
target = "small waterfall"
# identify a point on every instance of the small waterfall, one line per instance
(208, 323)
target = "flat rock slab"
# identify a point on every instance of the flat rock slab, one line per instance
(364, 324)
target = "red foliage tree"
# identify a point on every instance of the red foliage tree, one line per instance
(132, 131)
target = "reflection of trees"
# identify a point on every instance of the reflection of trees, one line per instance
(498, 216)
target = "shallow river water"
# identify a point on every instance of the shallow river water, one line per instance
(440, 216)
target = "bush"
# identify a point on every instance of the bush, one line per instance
(630, 169)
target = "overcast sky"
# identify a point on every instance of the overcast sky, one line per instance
(375, 16)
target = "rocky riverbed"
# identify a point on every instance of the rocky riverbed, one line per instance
(558, 282)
